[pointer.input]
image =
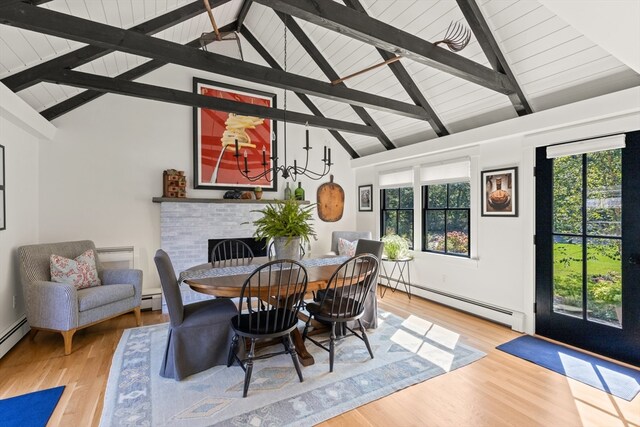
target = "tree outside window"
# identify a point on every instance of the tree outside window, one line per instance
(397, 212)
(446, 216)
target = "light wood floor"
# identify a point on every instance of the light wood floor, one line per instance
(498, 390)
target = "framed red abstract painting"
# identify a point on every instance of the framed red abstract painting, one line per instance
(217, 135)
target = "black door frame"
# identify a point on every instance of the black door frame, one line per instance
(621, 344)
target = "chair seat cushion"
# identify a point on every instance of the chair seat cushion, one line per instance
(332, 308)
(90, 298)
(268, 322)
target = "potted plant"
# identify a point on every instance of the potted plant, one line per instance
(287, 223)
(395, 247)
(258, 192)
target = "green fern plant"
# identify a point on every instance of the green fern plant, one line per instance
(285, 219)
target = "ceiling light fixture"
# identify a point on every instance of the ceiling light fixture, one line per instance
(294, 171)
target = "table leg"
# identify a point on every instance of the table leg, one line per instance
(305, 357)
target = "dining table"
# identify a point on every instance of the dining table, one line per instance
(226, 281)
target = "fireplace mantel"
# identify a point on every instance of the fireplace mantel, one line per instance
(197, 200)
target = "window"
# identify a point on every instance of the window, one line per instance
(446, 216)
(396, 212)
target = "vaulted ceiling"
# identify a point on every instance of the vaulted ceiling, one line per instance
(59, 54)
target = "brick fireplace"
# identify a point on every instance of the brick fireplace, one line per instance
(185, 228)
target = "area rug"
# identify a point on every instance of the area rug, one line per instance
(31, 409)
(607, 376)
(407, 351)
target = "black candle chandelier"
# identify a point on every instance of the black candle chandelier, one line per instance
(294, 171)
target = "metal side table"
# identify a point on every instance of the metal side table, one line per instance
(402, 265)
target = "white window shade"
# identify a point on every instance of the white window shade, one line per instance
(589, 146)
(402, 178)
(445, 173)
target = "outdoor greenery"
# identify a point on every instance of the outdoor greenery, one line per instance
(395, 246)
(285, 219)
(603, 281)
(397, 212)
(447, 218)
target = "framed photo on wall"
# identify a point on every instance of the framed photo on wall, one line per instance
(214, 140)
(500, 192)
(365, 198)
(3, 206)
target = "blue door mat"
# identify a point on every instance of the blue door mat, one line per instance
(618, 380)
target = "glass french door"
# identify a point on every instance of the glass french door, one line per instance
(588, 250)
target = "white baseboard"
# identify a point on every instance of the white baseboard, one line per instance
(13, 334)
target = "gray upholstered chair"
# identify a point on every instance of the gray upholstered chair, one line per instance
(60, 307)
(370, 316)
(347, 235)
(200, 334)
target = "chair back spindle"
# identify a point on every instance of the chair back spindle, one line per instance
(231, 252)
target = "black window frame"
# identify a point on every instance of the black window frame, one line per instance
(447, 209)
(384, 208)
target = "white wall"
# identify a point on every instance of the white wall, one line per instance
(105, 164)
(21, 181)
(501, 269)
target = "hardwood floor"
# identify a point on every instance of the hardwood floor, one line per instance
(498, 390)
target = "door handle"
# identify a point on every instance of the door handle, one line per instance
(634, 259)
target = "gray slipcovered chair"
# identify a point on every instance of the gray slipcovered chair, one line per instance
(200, 334)
(60, 307)
(370, 317)
(347, 235)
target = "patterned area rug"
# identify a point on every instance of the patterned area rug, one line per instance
(407, 351)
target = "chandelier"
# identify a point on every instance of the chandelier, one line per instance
(294, 171)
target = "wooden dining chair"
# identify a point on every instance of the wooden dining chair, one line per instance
(231, 252)
(343, 300)
(270, 301)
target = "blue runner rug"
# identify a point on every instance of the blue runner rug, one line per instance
(615, 379)
(31, 409)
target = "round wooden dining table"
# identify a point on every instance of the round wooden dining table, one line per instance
(230, 286)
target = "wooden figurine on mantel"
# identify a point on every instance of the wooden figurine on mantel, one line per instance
(174, 184)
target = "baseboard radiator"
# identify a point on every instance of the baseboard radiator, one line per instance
(514, 319)
(13, 334)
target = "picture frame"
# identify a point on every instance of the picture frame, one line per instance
(3, 206)
(499, 192)
(215, 165)
(365, 198)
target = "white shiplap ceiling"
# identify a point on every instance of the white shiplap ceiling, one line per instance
(553, 63)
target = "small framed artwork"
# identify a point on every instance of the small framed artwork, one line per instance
(3, 207)
(500, 192)
(217, 135)
(365, 200)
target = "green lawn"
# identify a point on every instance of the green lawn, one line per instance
(599, 265)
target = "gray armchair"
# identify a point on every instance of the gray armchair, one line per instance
(347, 235)
(60, 307)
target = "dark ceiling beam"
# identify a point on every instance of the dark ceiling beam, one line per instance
(78, 57)
(246, 5)
(406, 80)
(492, 51)
(89, 95)
(336, 17)
(304, 98)
(331, 74)
(108, 37)
(158, 93)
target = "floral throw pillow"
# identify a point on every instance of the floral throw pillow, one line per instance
(347, 248)
(80, 272)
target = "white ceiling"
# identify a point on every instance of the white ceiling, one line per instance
(553, 62)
